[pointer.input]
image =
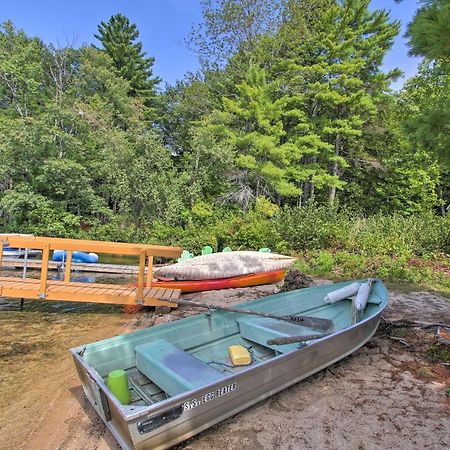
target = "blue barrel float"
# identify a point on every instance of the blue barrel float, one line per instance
(77, 257)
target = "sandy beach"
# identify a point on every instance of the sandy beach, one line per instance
(386, 395)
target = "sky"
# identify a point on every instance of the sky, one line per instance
(162, 24)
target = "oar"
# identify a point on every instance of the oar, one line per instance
(307, 321)
(295, 339)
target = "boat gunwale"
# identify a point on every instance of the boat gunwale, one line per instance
(156, 408)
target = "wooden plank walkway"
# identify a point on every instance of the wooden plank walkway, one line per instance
(85, 292)
(67, 290)
(18, 263)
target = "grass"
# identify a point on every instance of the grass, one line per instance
(439, 352)
(430, 273)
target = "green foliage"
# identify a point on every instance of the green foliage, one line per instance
(67, 183)
(343, 264)
(33, 213)
(21, 71)
(183, 107)
(251, 123)
(430, 91)
(202, 210)
(324, 262)
(287, 138)
(426, 98)
(439, 353)
(205, 165)
(118, 38)
(429, 30)
(253, 231)
(231, 27)
(329, 61)
(312, 227)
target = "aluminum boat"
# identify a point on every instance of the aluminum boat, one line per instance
(181, 380)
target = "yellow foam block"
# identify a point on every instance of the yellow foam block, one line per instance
(239, 355)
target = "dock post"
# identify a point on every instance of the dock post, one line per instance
(140, 289)
(1, 255)
(68, 267)
(44, 271)
(25, 262)
(149, 270)
(24, 275)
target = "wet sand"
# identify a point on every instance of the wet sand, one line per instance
(386, 395)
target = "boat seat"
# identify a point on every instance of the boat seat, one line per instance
(261, 329)
(172, 369)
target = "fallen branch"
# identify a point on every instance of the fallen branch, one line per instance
(402, 341)
(404, 323)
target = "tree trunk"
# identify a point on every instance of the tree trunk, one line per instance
(335, 168)
(308, 192)
(300, 197)
(441, 198)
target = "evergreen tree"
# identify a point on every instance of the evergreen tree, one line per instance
(251, 121)
(429, 36)
(429, 32)
(329, 59)
(425, 105)
(118, 37)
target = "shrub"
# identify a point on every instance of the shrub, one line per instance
(313, 227)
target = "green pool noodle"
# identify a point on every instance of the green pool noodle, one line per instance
(118, 385)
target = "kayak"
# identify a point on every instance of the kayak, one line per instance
(224, 265)
(254, 279)
(77, 257)
(161, 385)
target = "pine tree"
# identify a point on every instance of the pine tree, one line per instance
(251, 121)
(330, 57)
(118, 37)
(429, 32)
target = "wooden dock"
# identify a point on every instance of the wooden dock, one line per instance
(85, 292)
(67, 290)
(18, 263)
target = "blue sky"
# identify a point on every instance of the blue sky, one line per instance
(163, 24)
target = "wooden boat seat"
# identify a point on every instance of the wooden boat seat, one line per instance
(172, 369)
(261, 329)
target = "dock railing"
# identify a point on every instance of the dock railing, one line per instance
(145, 252)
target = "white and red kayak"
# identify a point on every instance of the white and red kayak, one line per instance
(224, 265)
(241, 281)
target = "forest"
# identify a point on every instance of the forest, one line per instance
(289, 136)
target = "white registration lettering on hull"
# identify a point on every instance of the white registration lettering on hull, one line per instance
(224, 390)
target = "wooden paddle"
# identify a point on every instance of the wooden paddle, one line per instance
(307, 321)
(295, 339)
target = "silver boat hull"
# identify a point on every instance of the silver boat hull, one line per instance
(161, 426)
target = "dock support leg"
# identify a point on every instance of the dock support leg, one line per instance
(44, 271)
(149, 271)
(140, 287)
(68, 267)
(21, 303)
